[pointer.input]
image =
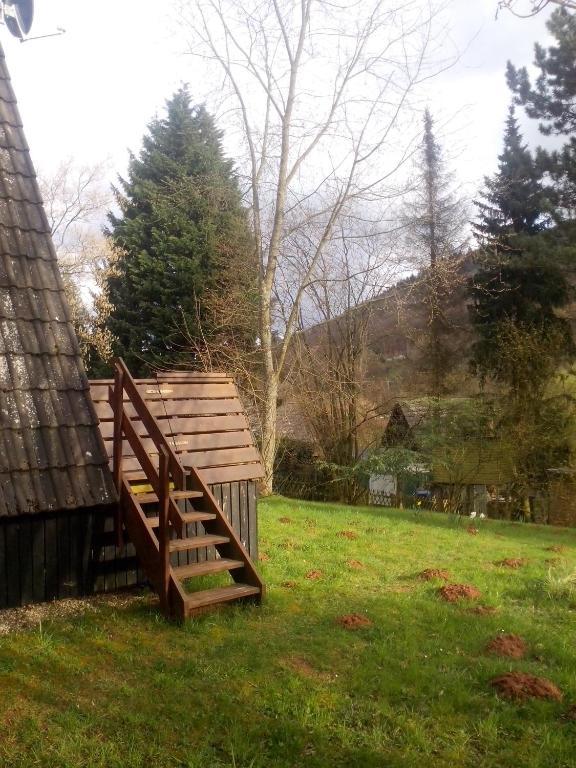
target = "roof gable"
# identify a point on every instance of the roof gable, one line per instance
(51, 453)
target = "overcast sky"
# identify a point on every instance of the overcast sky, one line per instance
(90, 93)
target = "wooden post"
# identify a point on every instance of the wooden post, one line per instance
(118, 448)
(164, 532)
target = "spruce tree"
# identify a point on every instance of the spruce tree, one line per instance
(517, 289)
(550, 100)
(513, 201)
(435, 220)
(180, 233)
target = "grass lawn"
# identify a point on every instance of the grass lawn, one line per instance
(285, 685)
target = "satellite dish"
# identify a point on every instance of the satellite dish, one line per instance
(19, 15)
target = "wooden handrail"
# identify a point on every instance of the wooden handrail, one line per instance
(164, 531)
(117, 404)
(151, 424)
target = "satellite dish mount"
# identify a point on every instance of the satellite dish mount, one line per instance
(18, 16)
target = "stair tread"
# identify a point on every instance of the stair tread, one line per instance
(152, 498)
(177, 545)
(210, 566)
(219, 595)
(187, 517)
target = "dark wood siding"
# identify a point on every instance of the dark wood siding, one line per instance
(73, 554)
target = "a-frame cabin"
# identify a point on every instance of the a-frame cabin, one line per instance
(66, 528)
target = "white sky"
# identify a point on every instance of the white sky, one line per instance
(90, 93)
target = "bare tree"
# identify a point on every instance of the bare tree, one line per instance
(320, 90)
(75, 200)
(330, 358)
(534, 6)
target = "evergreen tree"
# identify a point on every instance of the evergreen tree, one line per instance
(550, 99)
(435, 219)
(514, 201)
(181, 232)
(518, 288)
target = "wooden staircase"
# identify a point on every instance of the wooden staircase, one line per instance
(158, 521)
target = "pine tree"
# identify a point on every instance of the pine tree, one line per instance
(435, 219)
(550, 99)
(181, 232)
(514, 201)
(518, 289)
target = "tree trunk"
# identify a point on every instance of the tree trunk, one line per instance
(269, 433)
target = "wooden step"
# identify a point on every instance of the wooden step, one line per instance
(210, 566)
(199, 600)
(152, 498)
(187, 517)
(179, 545)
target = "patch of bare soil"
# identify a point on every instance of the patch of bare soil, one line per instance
(285, 520)
(347, 535)
(303, 667)
(553, 560)
(289, 584)
(512, 562)
(32, 616)
(263, 557)
(399, 589)
(512, 646)
(356, 565)
(314, 575)
(484, 610)
(556, 548)
(430, 574)
(520, 686)
(472, 530)
(454, 592)
(354, 621)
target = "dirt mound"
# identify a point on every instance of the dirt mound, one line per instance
(430, 574)
(314, 575)
(454, 592)
(288, 584)
(520, 686)
(354, 621)
(512, 646)
(484, 610)
(285, 520)
(347, 535)
(356, 565)
(263, 557)
(556, 548)
(472, 530)
(512, 562)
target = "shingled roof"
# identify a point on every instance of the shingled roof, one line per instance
(51, 453)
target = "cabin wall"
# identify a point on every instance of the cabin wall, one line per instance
(73, 553)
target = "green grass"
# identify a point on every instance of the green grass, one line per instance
(284, 685)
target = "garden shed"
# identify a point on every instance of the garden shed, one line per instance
(464, 472)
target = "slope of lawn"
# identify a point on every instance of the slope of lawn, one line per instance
(285, 685)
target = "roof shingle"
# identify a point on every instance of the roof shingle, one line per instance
(51, 453)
